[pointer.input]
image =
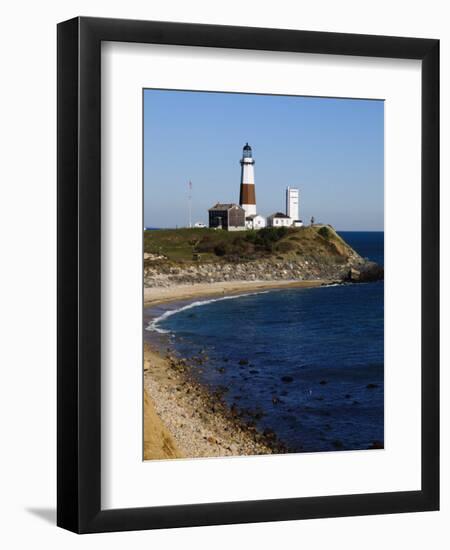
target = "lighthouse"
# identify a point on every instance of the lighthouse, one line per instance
(247, 198)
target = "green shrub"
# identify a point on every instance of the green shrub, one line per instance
(251, 236)
(221, 249)
(325, 232)
(265, 238)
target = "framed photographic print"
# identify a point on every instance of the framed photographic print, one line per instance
(247, 274)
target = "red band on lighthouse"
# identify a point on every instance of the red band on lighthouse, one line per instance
(247, 194)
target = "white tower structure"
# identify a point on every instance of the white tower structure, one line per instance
(247, 198)
(292, 199)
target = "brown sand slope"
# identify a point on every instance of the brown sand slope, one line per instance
(158, 442)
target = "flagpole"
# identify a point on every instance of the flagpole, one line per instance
(190, 203)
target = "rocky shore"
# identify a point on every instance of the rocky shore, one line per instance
(183, 419)
(166, 274)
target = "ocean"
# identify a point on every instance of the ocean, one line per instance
(306, 363)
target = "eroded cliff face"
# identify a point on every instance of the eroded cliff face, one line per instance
(355, 270)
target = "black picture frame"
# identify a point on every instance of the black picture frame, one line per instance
(79, 281)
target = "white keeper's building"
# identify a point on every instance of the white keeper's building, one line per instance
(255, 221)
(279, 220)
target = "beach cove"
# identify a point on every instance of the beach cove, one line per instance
(181, 418)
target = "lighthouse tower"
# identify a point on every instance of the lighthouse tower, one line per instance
(247, 198)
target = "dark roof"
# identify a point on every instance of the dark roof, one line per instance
(247, 147)
(224, 206)
(279, 215)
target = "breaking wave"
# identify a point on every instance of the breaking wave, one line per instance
(153, 325)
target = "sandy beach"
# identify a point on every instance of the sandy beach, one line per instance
(158, 295)
(181, 418)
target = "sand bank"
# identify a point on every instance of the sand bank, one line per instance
(158, 295)
(158, 441)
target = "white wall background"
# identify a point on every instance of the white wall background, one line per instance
(28, 269)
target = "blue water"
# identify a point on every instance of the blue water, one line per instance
(369, 244)
(312, 360)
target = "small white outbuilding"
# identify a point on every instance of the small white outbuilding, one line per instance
(279, 220)
(255, 221)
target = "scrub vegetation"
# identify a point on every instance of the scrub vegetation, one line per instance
(210, 245)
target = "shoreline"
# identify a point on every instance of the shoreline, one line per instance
(183, 419)
(160, 295)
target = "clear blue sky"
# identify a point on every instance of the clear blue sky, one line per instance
(331, 149)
